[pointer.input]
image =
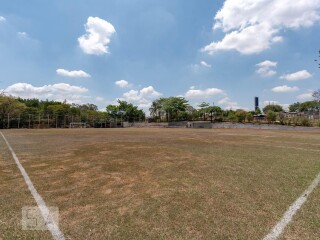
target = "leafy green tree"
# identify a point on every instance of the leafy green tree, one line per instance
(9, 107)
(232, 116)
(295, 107)
(129, 112)
(257, 111)
(172, 106)
(112, 110)
(305, 106)
(273, 107)
(126, 111)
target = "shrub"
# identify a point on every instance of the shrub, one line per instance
(282, 119)
(306, 122)
(241, 115)
(218, 119)
(232, 117)
(249, 117)
(271, 116)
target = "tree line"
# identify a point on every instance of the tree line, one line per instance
(35, 113)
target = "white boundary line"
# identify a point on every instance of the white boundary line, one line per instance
(51, 224)
(292, 210)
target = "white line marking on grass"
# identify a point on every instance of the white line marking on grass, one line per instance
(51, 224)
(292, 210)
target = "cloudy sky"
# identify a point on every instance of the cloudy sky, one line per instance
(222, 52)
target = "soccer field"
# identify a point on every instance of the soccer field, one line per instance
(162, 183)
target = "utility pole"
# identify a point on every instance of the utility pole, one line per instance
(8, 121)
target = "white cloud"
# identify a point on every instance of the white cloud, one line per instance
(99, 99)
(143, 97)
(228, 104)
(203, 63)
(200, 66)
(252, 39)
(149, 92)
(252, 26)
(58, 92)
(193, 93)
(305, 96)
(265, 69)
(73, 74)
(300, 75)
(284, 89)
(2, 19)
(98, 36)
(122, 83)
(22, 34)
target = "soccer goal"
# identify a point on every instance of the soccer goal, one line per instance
(78, 125)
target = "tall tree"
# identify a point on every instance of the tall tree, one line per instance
(155, 109)
(172, 106)
(203, 109)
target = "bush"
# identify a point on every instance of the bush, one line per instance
(306, 122)
(218, 119)
(282, 119)
(241, 116)
(271, 116)
(232, 117)
(288, 122)
(249, 117)
(318, 123)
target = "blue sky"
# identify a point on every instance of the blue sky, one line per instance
(226, 52)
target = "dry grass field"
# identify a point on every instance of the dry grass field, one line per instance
(162, 183)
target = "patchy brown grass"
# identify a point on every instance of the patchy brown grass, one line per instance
(162, 183)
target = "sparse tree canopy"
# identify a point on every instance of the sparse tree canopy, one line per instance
(316, 95)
